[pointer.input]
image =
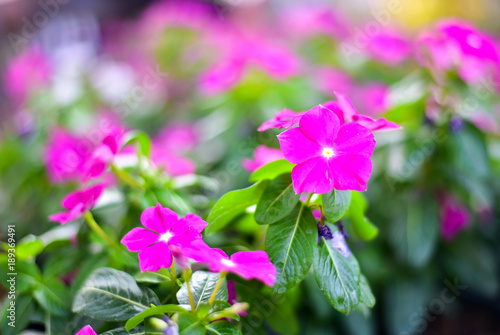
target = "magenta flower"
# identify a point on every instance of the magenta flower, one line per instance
(163, 229)
(328, 155)
(178, 138)
(87, 330)
(329, 79)
(389, 46)
(283, 119)
(66, 155)
(77, 203)
(263, 155)
(454, 217)
(103, 155)
(246, 264)
(172, 164)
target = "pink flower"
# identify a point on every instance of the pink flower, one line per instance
(457, 44)
(77, 203)
(26, 72)
(103, 155)
(328, 155)
(172, 164)
(390, 47)
(283, 119)
(329, 79)
(454, 217)
(164, 229)
(374, 99)
(177, 138)
(87, 330)
(66, 155)
(263, 155)
(246, 264)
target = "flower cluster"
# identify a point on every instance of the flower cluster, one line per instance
(165, 235)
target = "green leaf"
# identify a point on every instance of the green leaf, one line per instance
(112, 295)
(28, 247)
(122, 331)
(53, 296)
(272, 170)
(337, 277)
(232, 204)
(222, 309)
(154, 310)
(152, 277)
(414, 230)
(366, 296)
(142, 139)
(290, 244)
(223, 328)
(23, 309)
(335, 204)
(278, 200)
(202, 285)
(189, 324)
(363, 228)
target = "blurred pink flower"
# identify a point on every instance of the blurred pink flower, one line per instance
(303, 21)
(164, 228)
(283, 119)
(25, 73)
(103, 155)
(454, 217)
(172, 164)
(458, 44)
(87, 330)
(262, 155)
(243, 53)
(246, 264)
(389, 46)
(329, 79)
(373, 98)
(77, 203)
(328, 155)
(178, 138)
(65, 155)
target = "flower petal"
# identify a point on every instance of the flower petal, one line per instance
(192, 221)
(155, 257)
(158, 219)
(65, 217)
(87, 330)
(320, 125)
(296, 147)
(380, 124)
(351, 172)
(253, 265)
(353, 138)
(139, 239)
(314, 176)
(346, 106)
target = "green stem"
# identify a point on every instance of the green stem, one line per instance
(98, 230)
(174, 273)
(191, 300)
(125, 177)
(217, 287)
(308, 199)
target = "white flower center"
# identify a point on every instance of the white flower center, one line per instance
(228, 263)
(474, 41)
(165, 237)
(328, 152)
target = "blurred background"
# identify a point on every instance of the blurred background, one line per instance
(150, 65)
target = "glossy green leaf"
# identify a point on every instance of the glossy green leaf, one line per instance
(271, 170)
(112, 295)
(202, 286)
(290, 245)
(223, 328)
(278, 200)
(149, 277)
(28, 247)
(233, 204)
(366, 296)
(189, 324)
(363, 228)
(136, 331)
(337, 277)
(154, 310)
(53, 296)
(335, 204)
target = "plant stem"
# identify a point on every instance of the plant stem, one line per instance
(191, 300)
(174, 273)
(98, 230)
(309, 199)
(125, 177)
(217, 287)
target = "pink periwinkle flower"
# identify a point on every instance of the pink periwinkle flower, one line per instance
(66, 155)
(329, 79)
(246, 264)
(283, 119)
(454, 217)
(173, 164)
(26, 72)
(457, 44)
(87, 330)
(163, 230)
(77, 203)
(178, 138)
(263, 155)
(328, 155)
(374, 98)
(389, 46)
(103, 155)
